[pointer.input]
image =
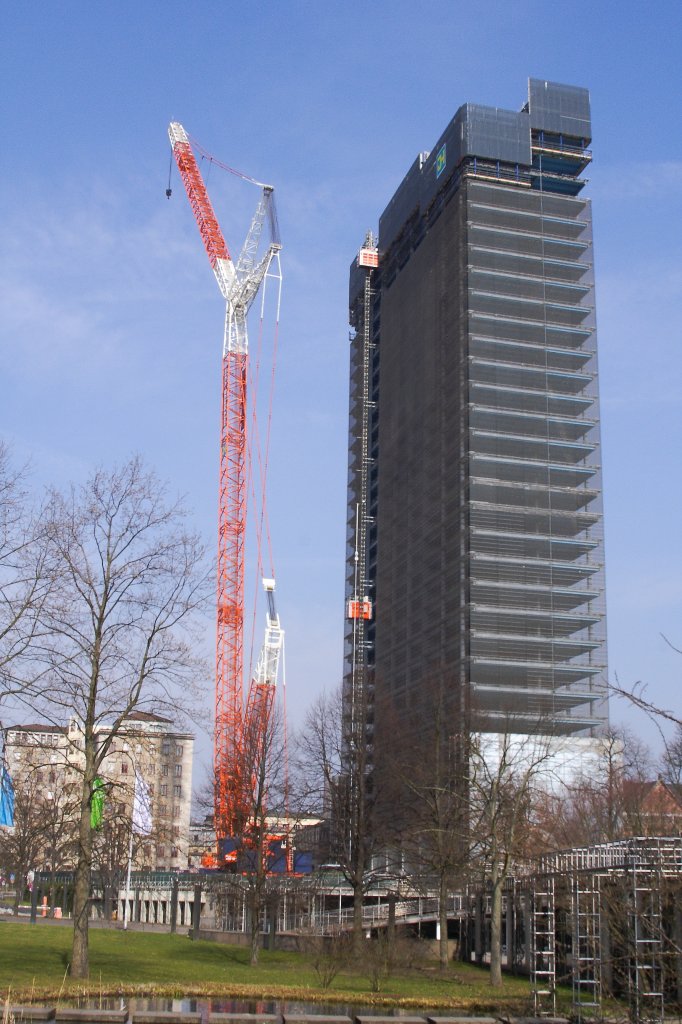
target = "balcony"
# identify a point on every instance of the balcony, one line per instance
(525, 621)
(529, 332)
(522, 399)
(520, 446)
(524, 673)
(485, 371)
(530, 545)
(531, 649)
(531, 496)
(517, 519)
(537, 287)
(539, 700)
(537, 265)
(529, 471)
(548, 572)
(528, 424)
(525, 596)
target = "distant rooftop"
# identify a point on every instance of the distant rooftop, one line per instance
(147, 716)
(38, 727)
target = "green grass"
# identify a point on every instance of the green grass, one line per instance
(34, 962)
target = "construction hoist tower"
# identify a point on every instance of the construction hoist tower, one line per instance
(357, 698)
(238, 286)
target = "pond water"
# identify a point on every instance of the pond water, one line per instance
(225, 1005)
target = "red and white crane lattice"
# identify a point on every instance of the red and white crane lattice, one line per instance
(239, 286)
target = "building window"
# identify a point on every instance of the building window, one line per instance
(178, 751)
(151, 789)
(174, 851)
(163, 789)
(124, 768)
(164, 769)
(165, 747)
(161, 851)
(178, 771)
(177, 790)
(163, 810)
(52, 777)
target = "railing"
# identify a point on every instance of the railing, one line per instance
(419, 908)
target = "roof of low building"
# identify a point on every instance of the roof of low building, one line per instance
(38, 727)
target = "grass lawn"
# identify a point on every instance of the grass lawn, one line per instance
(34, 961)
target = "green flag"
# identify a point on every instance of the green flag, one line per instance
(97, 804)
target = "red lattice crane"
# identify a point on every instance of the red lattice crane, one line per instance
(239, 286)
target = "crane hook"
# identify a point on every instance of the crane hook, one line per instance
(169, 190)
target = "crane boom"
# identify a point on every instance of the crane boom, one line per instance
(207, 222)
(239, 287)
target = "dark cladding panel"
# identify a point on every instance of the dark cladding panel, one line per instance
(445, 156)
(404, 202)
(496, 134)
(564, 109)
(356, 283)
(422, 445)
(489, 133)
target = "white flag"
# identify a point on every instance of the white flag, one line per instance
(142, 807)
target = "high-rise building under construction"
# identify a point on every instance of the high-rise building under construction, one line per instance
(475, 544)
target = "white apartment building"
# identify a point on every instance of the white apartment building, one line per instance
(44, 762)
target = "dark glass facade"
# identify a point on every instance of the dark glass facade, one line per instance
(480, 480)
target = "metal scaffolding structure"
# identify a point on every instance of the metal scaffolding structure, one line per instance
(542, 945)
(609, 917)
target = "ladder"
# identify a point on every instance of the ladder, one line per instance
(646, 930)
(586, 940)
(543, 947)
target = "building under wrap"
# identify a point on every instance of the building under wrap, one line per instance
(474, 503)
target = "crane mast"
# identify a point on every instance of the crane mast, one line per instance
(239, 286)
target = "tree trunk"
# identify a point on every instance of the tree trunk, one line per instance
(358, 934)
(80, 963)
(255, 925)
(496, 931)
(19, 890)
(443, 955)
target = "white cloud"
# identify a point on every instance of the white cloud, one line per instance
(75, 276)
(651, 180)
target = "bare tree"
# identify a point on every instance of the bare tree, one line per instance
(119, 629)
(43, 837)
(433, 778)
(601, 803)
(59, 813)
(262, 750)
(670, 766)
(333, 762)
(637, 695)
(506, 771)
(24, 576)
(671, 759)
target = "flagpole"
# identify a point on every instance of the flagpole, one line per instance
(130, 867)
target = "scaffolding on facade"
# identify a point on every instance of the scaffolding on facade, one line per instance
(609, 917)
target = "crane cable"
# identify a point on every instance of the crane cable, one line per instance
(225, 167)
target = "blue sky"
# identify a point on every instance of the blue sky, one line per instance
(111, 322)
